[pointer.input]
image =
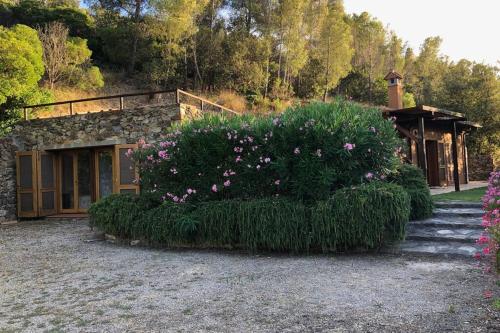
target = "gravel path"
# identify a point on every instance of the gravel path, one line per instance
(52, 280)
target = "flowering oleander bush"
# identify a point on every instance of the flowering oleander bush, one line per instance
(412, 179)
(360, 217)
(491, 220)
(311, 178)
(305, 153)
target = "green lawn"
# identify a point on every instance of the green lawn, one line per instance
(469, 195)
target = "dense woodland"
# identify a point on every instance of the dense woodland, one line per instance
(267, 53)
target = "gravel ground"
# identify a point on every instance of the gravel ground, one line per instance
(52, 280)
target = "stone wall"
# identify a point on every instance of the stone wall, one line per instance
(126, 126)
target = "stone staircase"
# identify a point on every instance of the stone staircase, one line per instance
(451, 231)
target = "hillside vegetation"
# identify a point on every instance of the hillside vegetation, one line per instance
(254, 55)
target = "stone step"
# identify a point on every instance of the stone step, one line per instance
(464, 212)
(450, 222)
(425, 233)
(446, 249)
(457, 204)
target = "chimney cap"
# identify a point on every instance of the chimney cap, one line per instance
(393, 75)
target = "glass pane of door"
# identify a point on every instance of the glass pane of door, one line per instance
(105, 180)
(67, 182)
(84, 180)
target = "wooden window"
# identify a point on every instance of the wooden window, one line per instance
(27, 196)
(126, 174)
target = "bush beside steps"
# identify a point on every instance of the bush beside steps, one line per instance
(412, 179)
(361, 217)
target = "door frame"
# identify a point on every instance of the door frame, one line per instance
(74, 158)
(96, 169)
(76, 196)
(432, 156)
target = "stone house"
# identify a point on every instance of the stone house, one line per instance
(61, 165)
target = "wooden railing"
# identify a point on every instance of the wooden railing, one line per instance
(202, 101)
(121, 98)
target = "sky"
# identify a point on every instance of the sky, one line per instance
(469, 29)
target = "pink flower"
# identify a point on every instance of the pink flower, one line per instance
(176, 199)
(163, 155)
(214, 188)
(483, 239)
(238, 149)
(258, 167)
(227, 183)
(486, 251)
(129, 152)
(277, 182)
(296, 151)
(349, 146)
(238, 159)
(369, 175)
(190, 191)
(477, 255)
(150, 157)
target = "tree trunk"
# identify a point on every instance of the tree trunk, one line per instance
(195, 58)
(136, 18)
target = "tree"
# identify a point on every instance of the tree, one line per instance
(54, 36)
(369, 38)
(474, 89)
(429, 69)
(21, 68)
(67, 59)
(334, 51)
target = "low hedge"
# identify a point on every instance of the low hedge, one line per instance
(364, 217)
(359, 217)
(412, 179)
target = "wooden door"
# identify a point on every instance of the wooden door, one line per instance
(46, 179)
(126, 175)
(431, 148)
(68, 190)
(104, 172)
(27, 194)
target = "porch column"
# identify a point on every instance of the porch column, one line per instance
(466, 159)
(454, 151)
(421, 153)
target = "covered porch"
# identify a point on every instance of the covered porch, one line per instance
(437, 143)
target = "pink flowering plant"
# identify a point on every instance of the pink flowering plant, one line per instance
(490, 239)
(305, 153)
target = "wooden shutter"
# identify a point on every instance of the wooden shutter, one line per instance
(125, 172)
(27, 194)
(46, 173)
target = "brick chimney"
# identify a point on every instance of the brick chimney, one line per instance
(395, 89)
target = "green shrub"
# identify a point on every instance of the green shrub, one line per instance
(119, 214)
(412, 179)
(262, 224)
(360, 217)
(306, 153)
